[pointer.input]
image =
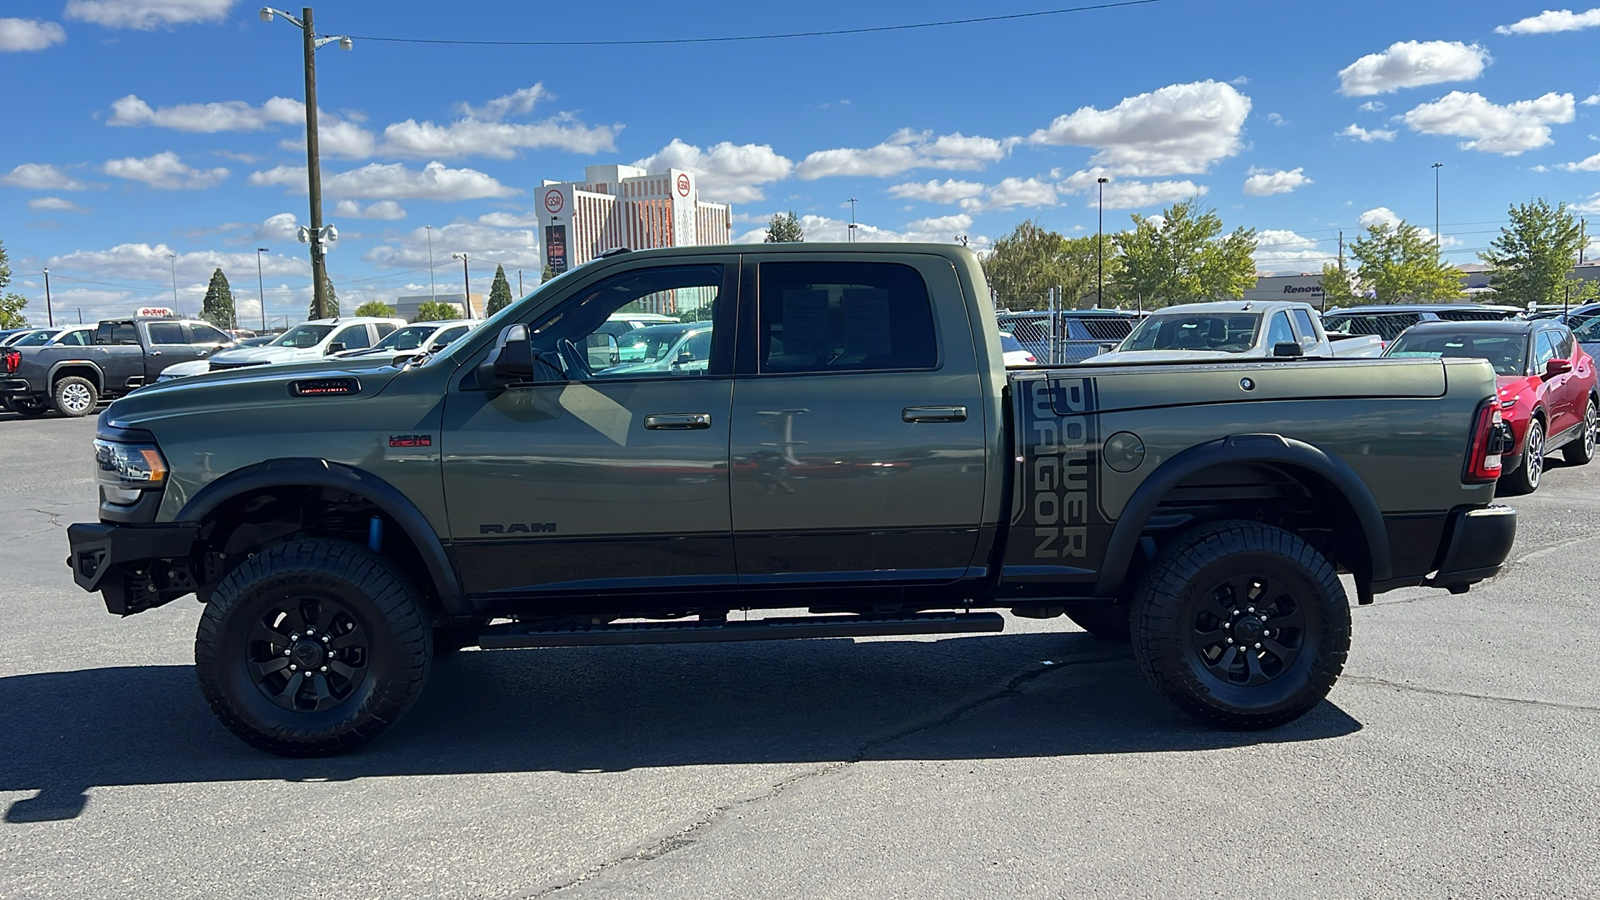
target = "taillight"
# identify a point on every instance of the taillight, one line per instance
(1488, 442)
(13, 359)
(1032, 359)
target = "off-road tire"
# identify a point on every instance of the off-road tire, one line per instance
(1102, 618)
(379, 605)
(31, 409)
(74, 396)
(1526, 477)
(1194, 582)
(1579, 451)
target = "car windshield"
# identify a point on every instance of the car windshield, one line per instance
(36, 339)
(1226, 332)
(1588, 331)
(408, 338)
(651, 343)
(1506, 352)
(1010, 344)
(302, 336)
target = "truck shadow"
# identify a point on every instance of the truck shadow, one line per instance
(614, 709)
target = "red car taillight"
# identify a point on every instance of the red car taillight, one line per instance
(1488, 442)
(13, 359)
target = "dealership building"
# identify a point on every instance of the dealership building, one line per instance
(625, 206)
(1307, 288)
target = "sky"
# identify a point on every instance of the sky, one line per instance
(149, 142)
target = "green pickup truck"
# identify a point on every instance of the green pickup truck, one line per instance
(853, 454)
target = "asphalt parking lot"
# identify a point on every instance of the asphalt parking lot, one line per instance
(1458, 757)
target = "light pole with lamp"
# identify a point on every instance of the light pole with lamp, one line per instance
(173, 258)
(433, 289)
(1436, 244)
(261, 287)
(466, 282)
(49, 316)
(1100, 245)
(319, 274)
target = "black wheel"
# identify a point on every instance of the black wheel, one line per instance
(312, 648)
(1101, 618)
(1241, 625)
(1525, 480)
(1580, 451)
(32, 409)
(75, 396)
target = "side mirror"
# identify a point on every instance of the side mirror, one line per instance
(1557, 367)
(335, 347)
(601, 350)
(1288, 350)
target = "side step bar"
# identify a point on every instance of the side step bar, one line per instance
(517, 636)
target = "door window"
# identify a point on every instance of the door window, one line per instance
(115, 333)
(1302, 324)
(166, 333)
(384, 329)
(1278, 331)
(1544, 351)
(82, 337)
(577, 340)
(1563, 340)
(843, 317)
(205, 334)
(354, 338)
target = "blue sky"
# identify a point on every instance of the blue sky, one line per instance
(146, 129)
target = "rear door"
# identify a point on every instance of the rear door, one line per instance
(167, 344)
(858, 422)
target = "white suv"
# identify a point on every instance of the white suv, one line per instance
(303, 343)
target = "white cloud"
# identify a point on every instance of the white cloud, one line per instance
(1373, 106)
(517, 103)
(43, 177)
(903, 151)
(1491, 128)
(18, 35)
(1140, 194)
(146, 262)
(282, 227)
(165, 171)
(1412, 64)
(1283, 251)
(728, 173)
(823, 228)
(499, 140)
(383, 209)
(1276, 119)
(1263, 183)
(392, 181)
(935, 191)
(56, 204)
(952, 225)
(1552, 20)
(1383, 215)
(1588, 207)
(1592, 164)
(208, 118)
(1591, 100)
(1178, 129)
(147, 15)
(1365, 136)
(509, 219)
(337, 137)
(484, 244)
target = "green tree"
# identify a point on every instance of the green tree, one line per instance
(499, 292)
(11, 305)
(435, 311)
(1531, 261)
(1028, 263)
(218, 307)
(333, 301)
(1339, 288)
(1397, 262)
(785, 229)
(547, 274)
(377, 309)
(1182, 256)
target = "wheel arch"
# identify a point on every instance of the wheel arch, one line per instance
(81, 367)
(1329, 477)
(225, 493)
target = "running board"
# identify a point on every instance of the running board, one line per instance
(516, 636)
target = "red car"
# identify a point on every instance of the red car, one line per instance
(1547, 387)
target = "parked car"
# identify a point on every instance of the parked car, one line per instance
(415, 339)
(1387, 321)
(305, 342)
(71, 336)
(1235, 330)
(12, 338)
(1015, 353)
(676, 349)
(1546, 384)
(7, 334)
(619, 324)
(260, 340)
(126, 354)
(342, 526)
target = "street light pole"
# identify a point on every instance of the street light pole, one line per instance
(261, 287)
(1436, 244)
(852, 231)
(173, 258)
(1100, 245)
(466, 280)
(433, 289)
(49, 316)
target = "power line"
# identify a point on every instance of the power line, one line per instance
(759, 37)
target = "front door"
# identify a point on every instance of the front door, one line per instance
(858, 447)
(599, 474)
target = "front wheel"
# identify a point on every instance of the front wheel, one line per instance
(1525, 479)
(75, 396)
(1242, 625)
(1579, 452)
(312, 648)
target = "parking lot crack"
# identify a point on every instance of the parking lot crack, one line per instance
(1492, 698)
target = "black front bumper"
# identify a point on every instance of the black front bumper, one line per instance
(134, 567)
(1477, 543)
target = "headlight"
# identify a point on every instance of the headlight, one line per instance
(1507, 402)
(123, 470)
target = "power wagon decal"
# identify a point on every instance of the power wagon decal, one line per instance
(1060, 447)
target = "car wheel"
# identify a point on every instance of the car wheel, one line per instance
(1525, 480)
(1102, 618)
(75, 396)
(32, 409)
(1241, 624)
(1581, 451)
(312, 648)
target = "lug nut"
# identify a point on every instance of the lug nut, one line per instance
(1263, 618)
(326, 638)
(1258, 646)
(295, 636)
(1251, 609)
(286, 652)
(1230, 640)
(293, 667)
(323, 669)
(310, 632)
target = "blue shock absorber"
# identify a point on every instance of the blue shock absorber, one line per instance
(375, 534)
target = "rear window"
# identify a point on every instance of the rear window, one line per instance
(1224, 332)
(1506, 352)
(838, 317)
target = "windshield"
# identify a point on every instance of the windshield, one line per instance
(1506, 352)
(1009, 344)
(408, 338)
(303, 336)
(36, 339)
(1226, 332)
(1589, 331)
(650, 344)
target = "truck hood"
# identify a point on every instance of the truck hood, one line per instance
(261, 386)
(1118, 356)
(269, 354)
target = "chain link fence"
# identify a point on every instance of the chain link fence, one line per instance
(1070, 336)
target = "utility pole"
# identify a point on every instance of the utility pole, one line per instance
(852, 231)
(466, 280)
(519, 282)
(1100, 245)
(1436, 235)
(49, 316)
(261, 287)
(433, 289)
(1583, 244)
(173, 258)
(1341, 251)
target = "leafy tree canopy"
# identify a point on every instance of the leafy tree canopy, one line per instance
(785, 229)
(1396, 263)
(218, 308)
(499, 292)
(11, 305)
(436, 311)
(1532, 259)
(376, 309)
(1182, 256)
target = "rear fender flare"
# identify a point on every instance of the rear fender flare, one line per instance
(55, 370)
(1244, 448)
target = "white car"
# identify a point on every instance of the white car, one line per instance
(1014, 353)
(1234, 330)
(415, 339)
(305, 342)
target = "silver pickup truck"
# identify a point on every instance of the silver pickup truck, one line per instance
(1236, 330)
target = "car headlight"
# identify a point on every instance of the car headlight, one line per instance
(1507, 402)
(123, 471)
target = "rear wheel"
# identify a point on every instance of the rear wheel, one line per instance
(1581, 450)
(1525, 480)
(1102, 618)
(75, 396)
(312, 648)
(27, 407)
(1242, 625)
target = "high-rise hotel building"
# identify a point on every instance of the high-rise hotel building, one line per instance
(623, 206)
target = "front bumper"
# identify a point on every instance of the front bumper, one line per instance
(1477, 543)
(134, 567)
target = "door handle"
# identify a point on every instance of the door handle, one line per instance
(934, 414)
(155, 352)
(677, 421)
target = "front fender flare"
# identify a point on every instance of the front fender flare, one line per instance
(1272, 449)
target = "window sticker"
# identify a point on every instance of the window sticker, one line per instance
(866, 321)
(805, 323)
